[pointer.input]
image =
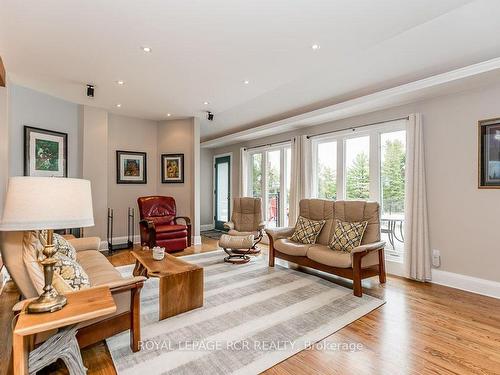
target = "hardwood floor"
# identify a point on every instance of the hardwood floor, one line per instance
(422, 329)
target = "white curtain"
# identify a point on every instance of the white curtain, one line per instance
(300, 178)
(243, 172)
(417, 251)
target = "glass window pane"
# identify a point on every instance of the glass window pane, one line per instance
(223, 192)
(326, 167)
(273, 177)
(392, 188)
(357, 172)
(288, 166)
(255, 180)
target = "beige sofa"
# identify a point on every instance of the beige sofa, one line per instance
(125, 291)
(366, 260)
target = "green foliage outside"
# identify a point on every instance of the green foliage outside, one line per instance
(393, 177)
(327, 182)
(358, 178)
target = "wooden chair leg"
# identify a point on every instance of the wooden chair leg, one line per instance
(356, 277)
(271, 252)
(135, 319)
(381, 266)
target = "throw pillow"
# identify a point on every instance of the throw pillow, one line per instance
(63, 246)
(307, 230)
(347, 235)
(71, 272)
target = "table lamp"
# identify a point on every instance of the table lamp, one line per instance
(36, 203)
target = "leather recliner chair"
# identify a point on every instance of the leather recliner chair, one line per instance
(160, 226)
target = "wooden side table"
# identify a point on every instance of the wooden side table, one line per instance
(181, 283)
(83, 305)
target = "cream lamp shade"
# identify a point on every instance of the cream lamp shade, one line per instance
(34, 203)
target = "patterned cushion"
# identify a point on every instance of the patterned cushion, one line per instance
(63, 246)
(71, 272)
(347, 235)
(307, 230)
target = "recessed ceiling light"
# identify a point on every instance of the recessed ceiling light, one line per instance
(315, 46)
(118, 105)
(146, 49)
(120, 82)
(168, 115)
(206, 103)
(246, 81)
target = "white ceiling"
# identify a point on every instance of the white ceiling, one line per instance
(203, 50)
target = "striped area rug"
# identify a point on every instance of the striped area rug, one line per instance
(253, 317)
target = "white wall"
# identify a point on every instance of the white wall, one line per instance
(33, 108)
(463, 219)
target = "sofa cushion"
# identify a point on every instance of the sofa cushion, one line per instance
(97, 267)
(171, 235)
(324, 255)
(64, 247)
(169, 228)
(307, 230)
(347, 235)
(290, 247)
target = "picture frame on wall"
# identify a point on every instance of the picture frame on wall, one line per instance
(45, 152)
(131, 167)
(489, 153)
(172, 168)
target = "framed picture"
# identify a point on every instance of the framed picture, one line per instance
(172, 168)
(489, 154)
(45, 153)
(131, 167)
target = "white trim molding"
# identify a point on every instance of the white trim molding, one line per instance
(196, 240)
(468, 283)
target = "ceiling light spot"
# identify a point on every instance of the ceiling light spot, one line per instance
(146, 49)
(246, 81)
(168, 115)
(120, 82)
(118, 105)
(206, 103)
(315, 46)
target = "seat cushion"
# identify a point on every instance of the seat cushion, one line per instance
(97, 267)
(171, 235)
(163, 228)
(290, 247)
(233, 232)
(324, 255)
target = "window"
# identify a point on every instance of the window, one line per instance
(367, 164)
(269, 178)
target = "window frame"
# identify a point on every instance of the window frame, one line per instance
(264, 188)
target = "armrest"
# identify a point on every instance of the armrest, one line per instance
(125, 283)
(278, 233)
(261, 225)
(369, 247)
(186, 219)
(86, 243)
(229, 225)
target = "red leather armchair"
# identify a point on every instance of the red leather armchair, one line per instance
(160, 224)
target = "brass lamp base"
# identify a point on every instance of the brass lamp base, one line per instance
(47, 304)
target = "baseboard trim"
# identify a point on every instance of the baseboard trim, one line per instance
(196, 240)
(204, 227)
(471, 284)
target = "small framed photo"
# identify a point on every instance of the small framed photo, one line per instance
(45, 153)
(131, 167)
(172, 168)
(489, 154)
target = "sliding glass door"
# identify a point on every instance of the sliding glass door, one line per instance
(269, 178)
(222, 190)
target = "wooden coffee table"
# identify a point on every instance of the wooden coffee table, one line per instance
(181, 283)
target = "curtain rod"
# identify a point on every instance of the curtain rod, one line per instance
(267, 144)
(359, 126)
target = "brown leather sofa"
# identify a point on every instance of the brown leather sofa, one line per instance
(125, 291)
(160, 224)
(366, 260)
